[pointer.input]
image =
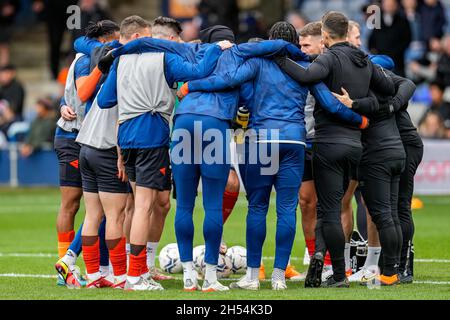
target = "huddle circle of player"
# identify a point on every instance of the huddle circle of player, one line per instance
(306, 113)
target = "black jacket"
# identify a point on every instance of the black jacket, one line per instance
(342, 66)
(382, 140)
(14, 93)
(393, 41)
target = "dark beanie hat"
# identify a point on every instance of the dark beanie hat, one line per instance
(216, 34)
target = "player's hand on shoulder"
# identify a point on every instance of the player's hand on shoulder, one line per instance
(106, 62)
(225, 44)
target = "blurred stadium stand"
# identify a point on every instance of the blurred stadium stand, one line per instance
(29, 52)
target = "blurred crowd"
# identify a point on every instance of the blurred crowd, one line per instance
(415, 33)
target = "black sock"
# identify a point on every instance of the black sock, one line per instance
(388, 240)
(335, 241)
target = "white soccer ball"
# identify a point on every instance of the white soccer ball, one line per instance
(224, 266)
(238, 258)
(169, 259)
(198, 255)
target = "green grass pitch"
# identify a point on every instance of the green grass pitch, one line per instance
(27, 226)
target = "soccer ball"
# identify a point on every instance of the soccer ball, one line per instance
(199, 258)
(238, 258)
(224, 266)
(169, 259)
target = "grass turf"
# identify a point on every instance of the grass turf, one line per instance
(27, 225)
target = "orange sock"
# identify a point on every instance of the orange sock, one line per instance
(311, 245)
(64, 241)
(91, 256)
(229, 201)
(327, 260)
(118, 257)
(144, 267)
(138, 263)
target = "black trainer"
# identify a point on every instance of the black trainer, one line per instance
(314, 277)
(406, 278)
(332, 283)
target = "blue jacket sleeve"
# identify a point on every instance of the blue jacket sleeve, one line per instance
(82, 67)
(107, 97)
(246, 93)
(246, 72)
(268, 49)
(382, 60)
(86, 45)
(146, 44)
(327, 101)
(181, 70)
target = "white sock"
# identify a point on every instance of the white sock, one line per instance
(278, 275)
(127, 249)
(373, 256)
(252, 273)
(211, 273)
(133, 280)
(120, 279)
(104, 271)
(188, 271)
(70, 258)
(93, 276)
(347, 256)
(151, 254)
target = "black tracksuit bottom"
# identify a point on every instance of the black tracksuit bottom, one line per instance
(414, 154)
(333, 165)
(379, 185)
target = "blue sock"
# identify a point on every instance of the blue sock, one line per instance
(75, 246)
(213, 190)
(104, 254)
(184, 225)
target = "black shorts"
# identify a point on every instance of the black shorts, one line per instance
(99, 171)
(149, 168)
(68, 152)
(307, 173)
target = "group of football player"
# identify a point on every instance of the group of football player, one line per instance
(308, 114)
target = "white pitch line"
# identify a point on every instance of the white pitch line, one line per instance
(433, 282)
(51, 255)
(22, 275)
(49, 276)
(432, 260)
(29, 255)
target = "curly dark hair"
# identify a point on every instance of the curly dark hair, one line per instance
(285, 31)
(101, 28)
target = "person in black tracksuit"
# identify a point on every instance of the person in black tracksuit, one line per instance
(337, 147)
(381, 166)
(414, 152)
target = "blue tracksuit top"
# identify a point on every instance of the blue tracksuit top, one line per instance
(152, 130)
(275, 101)
(83, 45)
(221, 105)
